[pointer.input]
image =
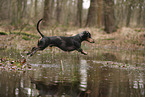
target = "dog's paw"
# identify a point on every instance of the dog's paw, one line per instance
(85, 53)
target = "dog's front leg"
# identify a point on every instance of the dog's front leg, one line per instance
(82, 51)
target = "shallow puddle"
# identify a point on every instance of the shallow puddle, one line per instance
(102, 73)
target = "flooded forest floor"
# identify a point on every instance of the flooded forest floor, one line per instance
(124, 39)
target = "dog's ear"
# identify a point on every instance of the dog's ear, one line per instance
(87, 33)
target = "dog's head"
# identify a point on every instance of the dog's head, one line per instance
(86, 36)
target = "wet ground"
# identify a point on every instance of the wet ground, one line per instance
(102, 73)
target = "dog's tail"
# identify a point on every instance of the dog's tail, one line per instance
(38, 27)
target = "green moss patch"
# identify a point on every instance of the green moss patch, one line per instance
(3, 33)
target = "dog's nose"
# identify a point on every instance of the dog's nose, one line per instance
(92, 41)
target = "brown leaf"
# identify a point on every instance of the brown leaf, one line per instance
(23, 61)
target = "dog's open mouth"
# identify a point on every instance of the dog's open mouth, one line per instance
(90, 40)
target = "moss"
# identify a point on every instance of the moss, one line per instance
(24, 33)
(26, 38)
(3, 33)
(138, 30)
(108, 39)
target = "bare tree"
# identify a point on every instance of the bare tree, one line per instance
(79, 13)
(58, 10)
(36, 1)
(92, 14)
(31, 13)
(13, 22)
(52, 7)
(129, 5)
(140, 3)
(99, 15)
(70, 12)
(24, 12)
(46, 14)
(19, 12)
(109, 17)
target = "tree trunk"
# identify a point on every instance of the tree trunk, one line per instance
(144, 17)
(52, 8)
(58, 11)
(139, 13)
(99, 12)
(31, 14)
(46, 14)
(92, 14)
(36, 8)
(129, 13)
(24, 12)
(109, 17)
(9, 8)
(122, 13)
(13, 22)
(19, 12)
(79, 13)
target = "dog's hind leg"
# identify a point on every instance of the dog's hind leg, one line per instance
(33, 51)
(36, 49)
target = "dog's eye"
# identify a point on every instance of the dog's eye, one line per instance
(88, 33)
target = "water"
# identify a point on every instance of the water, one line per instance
(102, 73)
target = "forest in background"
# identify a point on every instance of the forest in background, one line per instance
(106, 14)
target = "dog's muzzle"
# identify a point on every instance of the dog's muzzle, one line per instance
(91, 40)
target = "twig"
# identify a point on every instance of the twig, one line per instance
(62, 66)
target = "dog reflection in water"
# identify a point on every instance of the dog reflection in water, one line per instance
(60, 88)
